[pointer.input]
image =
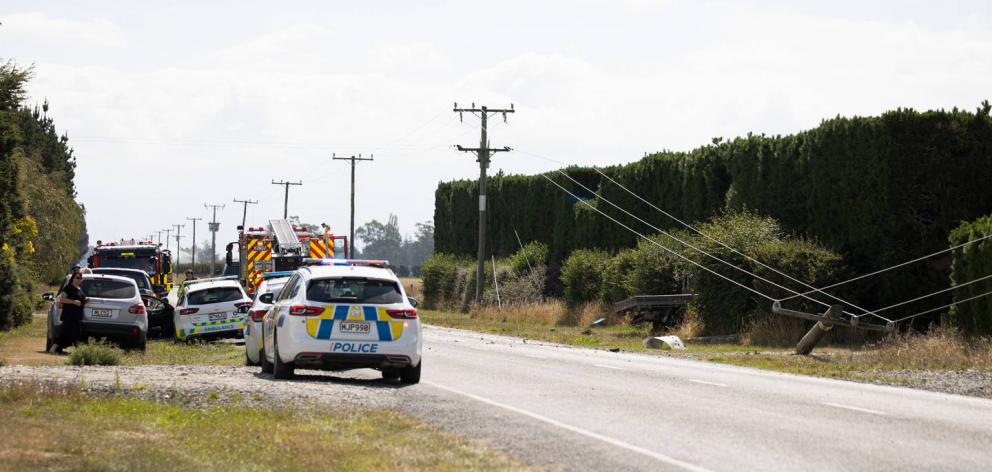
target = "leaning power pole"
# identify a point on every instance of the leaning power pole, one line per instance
(213, 226)
(285, 205)
(244, 213)
(353, 160)
(194, 220)
(484, 152)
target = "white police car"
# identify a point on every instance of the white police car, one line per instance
(211, 308)
(267, 290)
(348, 315)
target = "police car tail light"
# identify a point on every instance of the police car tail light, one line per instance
(188, 311)
(403, 314)
(137, 309)
(257, 315)
(303, 310)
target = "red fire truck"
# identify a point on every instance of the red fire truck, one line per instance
(142, 255)
(280, 246)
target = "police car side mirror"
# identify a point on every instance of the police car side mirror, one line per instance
(48, 297)
(413, 301)
(265, 298)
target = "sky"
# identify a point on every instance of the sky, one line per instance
(173, 105)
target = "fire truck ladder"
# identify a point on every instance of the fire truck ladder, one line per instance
(286, 237)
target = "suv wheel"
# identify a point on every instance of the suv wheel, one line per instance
(411, 374)
(280, 369)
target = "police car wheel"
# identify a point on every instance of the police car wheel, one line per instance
(410, 374)
(280, 369)
(266, 365)
(248, 361)
(390, 374)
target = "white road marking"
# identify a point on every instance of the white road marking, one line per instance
(534, 356)
(854, 408)
(707, 383)
(608, 367)
(589, 434)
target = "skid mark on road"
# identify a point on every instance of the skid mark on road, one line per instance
(589, 434)
(855, 408)
(707, 383)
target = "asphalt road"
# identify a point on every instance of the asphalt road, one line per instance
(587, 409)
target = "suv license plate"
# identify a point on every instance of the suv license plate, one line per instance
(359, 327)
(101, 313)
(217, 316)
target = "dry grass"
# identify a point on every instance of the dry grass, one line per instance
(413, 287)
(546, 313)
(691, 326)
(940, 349)
(774, 331)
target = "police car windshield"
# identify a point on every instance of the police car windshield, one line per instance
(107, 288)
(354, 290)
(215, 295)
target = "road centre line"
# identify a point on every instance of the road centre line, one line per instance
(608, 367)
(707, 383)
(854, 408)
(589, 434)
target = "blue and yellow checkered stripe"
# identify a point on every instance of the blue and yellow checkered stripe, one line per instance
(199, 326)
(322, 327)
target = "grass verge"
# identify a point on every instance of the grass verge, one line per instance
(47, 427)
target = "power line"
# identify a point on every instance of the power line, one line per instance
(484, 152)
(353, 160)
(285, 205)
(945, 306)
(938, 292)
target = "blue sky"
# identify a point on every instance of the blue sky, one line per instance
(225, 96)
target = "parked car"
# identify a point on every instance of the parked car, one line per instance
(211, 308)
(349, 315)
(159, 321)
(114, 310)
(269, 288)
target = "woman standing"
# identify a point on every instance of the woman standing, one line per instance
(72, 301)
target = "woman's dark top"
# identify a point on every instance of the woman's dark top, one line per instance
(73, 311)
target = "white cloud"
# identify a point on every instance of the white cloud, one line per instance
(41, 29)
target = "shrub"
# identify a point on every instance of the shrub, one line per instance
(533, 254)
(582, 275)
(515, 289)
(969, 263)
(100, 353)
(440, 275)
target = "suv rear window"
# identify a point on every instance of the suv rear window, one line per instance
(354, 290)
(139, 279)
(215, 295)
(107, 288)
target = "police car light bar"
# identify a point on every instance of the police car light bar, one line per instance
(273, 275)
(346, 262)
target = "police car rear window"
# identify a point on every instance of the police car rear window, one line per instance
(215, 295)
(107, 288)
(354, 290)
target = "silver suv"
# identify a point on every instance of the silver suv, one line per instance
(114, 310)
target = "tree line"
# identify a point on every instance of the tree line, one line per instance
(42, 227)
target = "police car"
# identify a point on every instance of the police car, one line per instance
(345, 315)
(211, 308)
(271, 285)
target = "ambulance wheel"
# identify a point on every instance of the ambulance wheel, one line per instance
(410, 374)
(390, 374)
(280, 369)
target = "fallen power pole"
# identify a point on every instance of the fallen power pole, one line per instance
(353, 160)
(213, 226)
(484, 152)
(285, 205)
(244, 212)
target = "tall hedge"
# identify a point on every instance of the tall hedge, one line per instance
(878, 190)
(969, 263)
(42, 227)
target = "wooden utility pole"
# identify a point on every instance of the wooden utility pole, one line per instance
(353, 160)
(178, 237)
(244, 213)
(484, 152)
(213, 226)
(285, 205)
(194, 220)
